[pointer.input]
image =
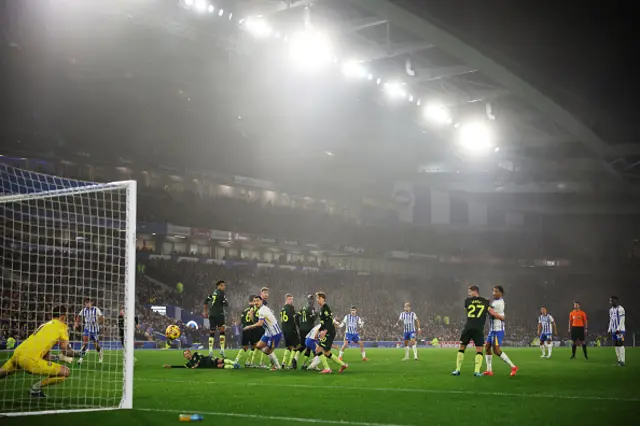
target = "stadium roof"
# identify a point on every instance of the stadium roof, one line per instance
(194, 86)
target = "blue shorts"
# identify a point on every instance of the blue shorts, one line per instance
(311, 344)
(618, 337)
(546, 338)
(409, 335)
(355, 338)
(92, 335)
(495, 337)
(272, 341)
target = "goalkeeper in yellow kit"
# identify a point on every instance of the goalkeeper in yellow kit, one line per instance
(33, 355)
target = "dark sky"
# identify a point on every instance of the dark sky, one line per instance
(582, 53)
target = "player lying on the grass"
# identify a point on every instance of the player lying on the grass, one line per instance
(195, 360)
(546, 330)
(354, 324)
(91, 317)
(409, 321)
(477, 309)
(272, 333)
(496, 333)
(617, 329)
(33, 355)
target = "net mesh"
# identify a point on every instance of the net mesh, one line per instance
(63, 241)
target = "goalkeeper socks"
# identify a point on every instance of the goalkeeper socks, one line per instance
(584, 349)
(222, 339)
(47, 382)
(285, 358)
(549, 348)
(478, 365)
(211, 342)
(325, 363)
(459, 359)
(506, 359)
(573, 350)
(415, 351)
(336, 360)
(489, 359)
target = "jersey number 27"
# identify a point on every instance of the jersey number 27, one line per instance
(475, 311)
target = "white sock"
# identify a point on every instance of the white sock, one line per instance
(542, 349)
(623, 354)
(314, 362)
(506, 359)
(406, 351)
(617, 348)
(341, 353)
(363, 355)
(415, 351)
(549, 348)
(274, 359)
(489, 358)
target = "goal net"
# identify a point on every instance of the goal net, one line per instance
(63, 241)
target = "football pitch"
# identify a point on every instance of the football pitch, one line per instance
(382, 391)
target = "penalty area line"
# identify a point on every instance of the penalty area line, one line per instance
(263, 417)
(424, 391)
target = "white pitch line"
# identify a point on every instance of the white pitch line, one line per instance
(408, 390)
(263, 417)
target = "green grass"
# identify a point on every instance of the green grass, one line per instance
(381, 391)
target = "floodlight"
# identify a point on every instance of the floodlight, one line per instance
(230, 15)
(354, 69)
(437, 113)
(311, 50)
(188, 3)
(395, 90)
(201, 6)
(257, 26)
(211, 8)
(221, 12)
(475, 137)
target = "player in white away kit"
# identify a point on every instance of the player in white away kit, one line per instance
(354, 323)
(546, 330)
(92, 318)
(496, 333)
(272, 332)
(409, 320)
(617, 329)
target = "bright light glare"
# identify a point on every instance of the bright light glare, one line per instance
(188, 3)
(201, 6)
(437, 113)
(310, 50)
(210, 8)
(221, 12)
(354, 69)
(257, 26)
(476, 137)
(395, 90)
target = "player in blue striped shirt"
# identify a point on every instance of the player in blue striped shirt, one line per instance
(354, 323)
(617, 329)
(409, 321)
(91, 318)
(546, 330)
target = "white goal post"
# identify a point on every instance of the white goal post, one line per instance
(66, 244)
